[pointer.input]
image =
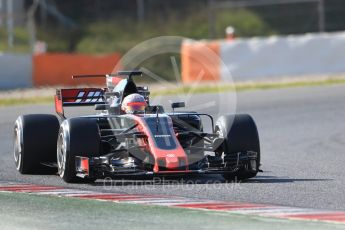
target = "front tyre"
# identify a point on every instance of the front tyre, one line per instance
(77, 137)
(35, 138)
(240, 135)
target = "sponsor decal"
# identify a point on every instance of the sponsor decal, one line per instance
(163, 136)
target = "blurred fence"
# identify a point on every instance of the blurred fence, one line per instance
(271, 57)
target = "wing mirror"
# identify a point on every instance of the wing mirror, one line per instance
(101, 106)
(112, 94)
(175, 105)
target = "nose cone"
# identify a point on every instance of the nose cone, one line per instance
(172, 161)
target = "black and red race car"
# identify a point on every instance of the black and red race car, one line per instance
(113, 144)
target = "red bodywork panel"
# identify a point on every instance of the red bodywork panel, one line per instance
(171, 157)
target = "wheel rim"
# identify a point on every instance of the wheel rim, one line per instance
(17, 147)
(61, 154)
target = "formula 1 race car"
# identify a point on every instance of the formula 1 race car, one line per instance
(114, 143)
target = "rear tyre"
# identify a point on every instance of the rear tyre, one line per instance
(77, 137)
(240, 135)
(35, 142)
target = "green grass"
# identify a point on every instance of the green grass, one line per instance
(246, 86)
(23, 101)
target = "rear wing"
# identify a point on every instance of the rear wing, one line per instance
(77, 97)
(112, 79)
(128, 74)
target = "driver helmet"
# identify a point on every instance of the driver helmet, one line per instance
(134, 103)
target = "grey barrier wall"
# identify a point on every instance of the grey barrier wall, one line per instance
(276, 56)
(15, 70)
